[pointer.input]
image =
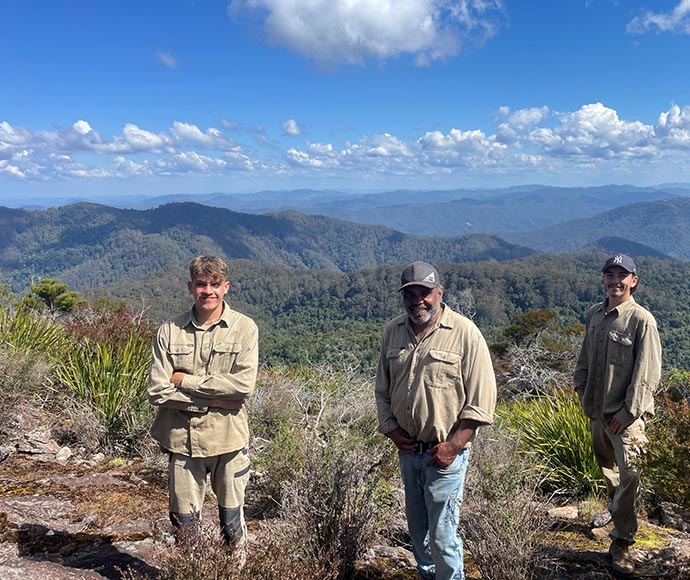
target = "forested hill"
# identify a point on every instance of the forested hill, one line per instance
(87, 245)
(661, 225)
(306, 314)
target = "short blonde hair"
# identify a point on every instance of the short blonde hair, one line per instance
(208, 265)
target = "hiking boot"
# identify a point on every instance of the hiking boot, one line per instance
(601, 519)
(621, 560)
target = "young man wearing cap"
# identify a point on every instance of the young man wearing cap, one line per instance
(615, 378)
(435, 386)
(203, 370)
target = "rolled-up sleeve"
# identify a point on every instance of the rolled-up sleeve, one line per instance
(479, 381)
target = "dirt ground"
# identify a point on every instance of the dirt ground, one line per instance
(72, 519)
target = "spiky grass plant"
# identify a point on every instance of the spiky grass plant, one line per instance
(24, 330)
(556, 432)
(111, 379)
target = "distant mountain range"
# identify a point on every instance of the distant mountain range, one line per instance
(662, 227)
(444, 213)
(88, 245)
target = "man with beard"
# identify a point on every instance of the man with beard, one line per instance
(616, 375)
(435, 386)
(203, 370)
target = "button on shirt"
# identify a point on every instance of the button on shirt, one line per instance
(619, 366)
(221, 362)
(426, 387)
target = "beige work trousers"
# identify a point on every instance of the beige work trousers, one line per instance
(617, 456)
(187, 480)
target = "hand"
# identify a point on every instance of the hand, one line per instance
(402, 440)
(444, 454)
(227, 404)
(615, 426)
(176, 378)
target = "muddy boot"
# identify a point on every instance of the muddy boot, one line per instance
(184, 524)
(621, 560)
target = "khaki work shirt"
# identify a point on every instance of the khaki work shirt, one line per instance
(619, 366)
(221, 362)
(427, 387)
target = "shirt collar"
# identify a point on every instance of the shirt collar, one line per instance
(627, 304)
(224, 317)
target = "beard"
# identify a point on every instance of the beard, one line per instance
(423, 317)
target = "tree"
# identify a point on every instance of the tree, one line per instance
(526, 328)
(51, 295)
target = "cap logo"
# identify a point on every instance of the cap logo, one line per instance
(429, 278)
(618, 260)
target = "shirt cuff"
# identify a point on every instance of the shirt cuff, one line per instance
(624, 416)
(388, 426)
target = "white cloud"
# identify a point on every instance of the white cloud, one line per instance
(190, 162)
(167, 59)
(186, 134)
(321, 148)
(292, 128)
(141, 140)
(673, 127)
(12, 170)
(678, 20)
(352, 31)
(533, 141)
(301, 158)
(596, 132)
(82, 127)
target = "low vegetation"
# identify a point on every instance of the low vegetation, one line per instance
(325, 482)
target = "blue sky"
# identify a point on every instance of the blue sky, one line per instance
(198, 96)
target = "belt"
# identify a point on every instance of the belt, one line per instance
(422, 447)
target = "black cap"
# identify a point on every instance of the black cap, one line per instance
(419, 274)
(621, 260)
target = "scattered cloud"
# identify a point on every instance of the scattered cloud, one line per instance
(167, 59)
(593, 138)
(677, 20)
(334, 32)
(291, 128)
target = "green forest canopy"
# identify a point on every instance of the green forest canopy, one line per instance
(309, 314)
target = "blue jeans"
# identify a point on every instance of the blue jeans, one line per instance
(432, 507)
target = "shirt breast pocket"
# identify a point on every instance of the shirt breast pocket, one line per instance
(224, 356)
(442, 369)
(182, 356)
(620, 347)
(395, 357)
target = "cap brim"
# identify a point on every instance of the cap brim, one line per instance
(420, 283)
(617, 266)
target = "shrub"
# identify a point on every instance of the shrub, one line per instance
(556, 432)
(333, 505)
(504, 517)
(107, 323)
(24, 378)
(315, 404)
(322, 469)
(201, 554)
(666, 463)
